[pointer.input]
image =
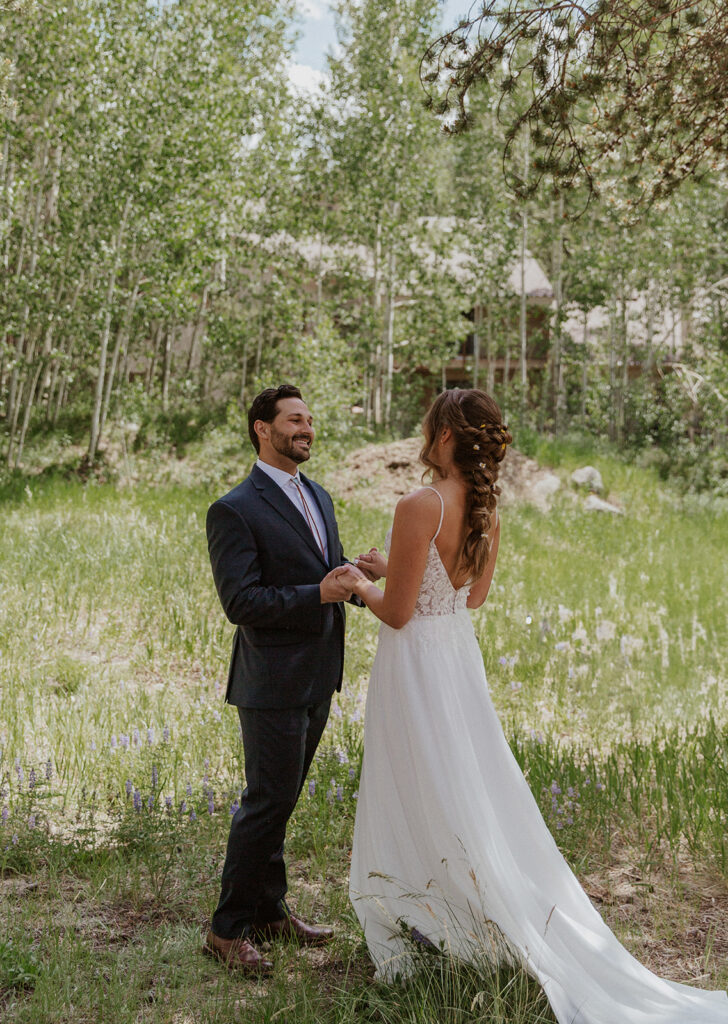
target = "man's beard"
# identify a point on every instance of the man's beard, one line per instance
(285, 445)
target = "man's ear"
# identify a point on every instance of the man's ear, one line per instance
(262, 429)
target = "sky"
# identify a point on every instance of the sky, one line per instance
(318, 36)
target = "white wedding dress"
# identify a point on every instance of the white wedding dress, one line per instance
(449, 840)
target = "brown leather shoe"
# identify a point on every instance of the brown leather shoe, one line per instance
(293, 928)
(237, 954)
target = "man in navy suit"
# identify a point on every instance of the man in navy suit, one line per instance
(275, 554)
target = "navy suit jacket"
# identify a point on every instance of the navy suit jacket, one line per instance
(288, 649)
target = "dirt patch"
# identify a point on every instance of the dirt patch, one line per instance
(377, 476)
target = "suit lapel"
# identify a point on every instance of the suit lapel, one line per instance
(328, 517)
(274, 496)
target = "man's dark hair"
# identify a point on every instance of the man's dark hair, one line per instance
(265, 407)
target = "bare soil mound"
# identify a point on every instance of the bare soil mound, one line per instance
(379, 474)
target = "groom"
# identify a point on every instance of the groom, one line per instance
(275, 554)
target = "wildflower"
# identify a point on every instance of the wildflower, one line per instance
(31, 821)
(210, 803)
(188, 789)
(355, 795)
(503, 660)
(599, 787)
(207, 763)
(352, 773)
(155, 776)
(183, 807)
(168, 802)
(14, 840)
(165, 733)
(127, 787)
(137, 800)
(31, 779)
(516, 686)
(93, 744)
(112, 742)
(562, 645)
(5, 815)
(342, 757)
(339, 793)
(193, 816)
(19, 770)
(569, 820)
(150, 736)
(555, 788)
(135, 737)
(217, 716)
(124, 740)
(234, 808)
(311, 787)
(218, 687)
(150, 802)
(355, 716)
(529, 620)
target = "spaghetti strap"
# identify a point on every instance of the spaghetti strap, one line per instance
(442, 509)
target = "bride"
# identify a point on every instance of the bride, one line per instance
(449, 843)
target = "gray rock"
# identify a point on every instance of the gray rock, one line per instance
(594, 504)
(542, 490)
(588, 477)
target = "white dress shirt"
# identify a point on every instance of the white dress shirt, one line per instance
(288, 484)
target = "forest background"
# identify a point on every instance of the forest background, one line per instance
(179, 225)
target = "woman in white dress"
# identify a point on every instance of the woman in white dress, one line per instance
(449, 843)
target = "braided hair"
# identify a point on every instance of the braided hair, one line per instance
(481, 439)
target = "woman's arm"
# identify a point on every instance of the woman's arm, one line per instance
(479, 590)
(415, 524)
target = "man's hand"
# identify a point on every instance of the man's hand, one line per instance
(373, 564)
(333, 589)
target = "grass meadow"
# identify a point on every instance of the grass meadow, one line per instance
(604, 640)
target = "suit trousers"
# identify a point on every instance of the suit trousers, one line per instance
(279, 745)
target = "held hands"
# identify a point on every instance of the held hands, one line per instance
(337, 585)
(352, 577)
(373, 564)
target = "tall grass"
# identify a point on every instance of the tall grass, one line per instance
(604, 641)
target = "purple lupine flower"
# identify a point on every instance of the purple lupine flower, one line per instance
(150, 736)
(207, 763)
(355, 716)
(19, 770)
(135, 737)
(570, 791)
(31, 779)
(124, 740)
(503, 660)
(5, 815)
(14, 840)
(561, 645)
(150, 802)
(339, 793)
(355, 795)
(112, 742)
(183, 807)
(352, 773)
(128, 787)
(336, 711)
(188, 789)
(210, 803)
(217, 716)
(234, 808)
(599, 787)
(569, 820)
(165, 733)
(193, 816)
(312, 787)
(205, 782)
(31, 821)
(93, 744)
(218, 687)
(155, 776)
(168, 802)
(137, 800)
(342, 757)
(555, 787)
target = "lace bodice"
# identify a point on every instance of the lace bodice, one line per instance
(437, 595)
